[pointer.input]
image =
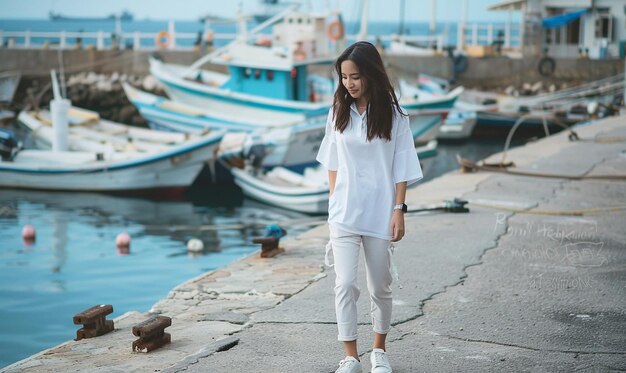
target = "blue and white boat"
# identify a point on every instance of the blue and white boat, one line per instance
(271, 81)
(291, 144)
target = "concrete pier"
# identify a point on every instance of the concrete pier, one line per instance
(532, 279)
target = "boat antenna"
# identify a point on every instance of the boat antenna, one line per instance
(55, 85)
(402, 11)
(363, 31)
(63, 92)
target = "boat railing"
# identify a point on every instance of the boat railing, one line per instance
(506, 34)
(171, 39)
(102, 40)
(148, 41)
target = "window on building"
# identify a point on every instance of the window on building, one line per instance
(573, 32)
(604, 25)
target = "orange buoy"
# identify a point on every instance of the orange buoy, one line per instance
(162, 40)
(335, 30)
(209, 37)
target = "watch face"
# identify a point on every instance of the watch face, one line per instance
(404, 207)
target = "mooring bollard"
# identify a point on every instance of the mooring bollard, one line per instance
(151, 334)
(94, 321)
(269, 243)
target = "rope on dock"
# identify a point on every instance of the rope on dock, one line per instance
(604, 139)
(469, 166)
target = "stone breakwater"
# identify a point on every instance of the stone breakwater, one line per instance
(102, 93)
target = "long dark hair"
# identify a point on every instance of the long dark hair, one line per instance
(382, 100)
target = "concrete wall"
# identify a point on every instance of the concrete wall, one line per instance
(493, 72)
(481, 72)
(38, 62)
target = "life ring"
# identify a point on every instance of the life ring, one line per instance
(335, 30)
(547, 66)
(209, 36)
(162, 40)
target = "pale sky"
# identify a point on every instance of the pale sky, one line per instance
(379, 10)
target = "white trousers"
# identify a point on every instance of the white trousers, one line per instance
(345, 247)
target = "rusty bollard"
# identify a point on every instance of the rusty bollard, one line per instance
(151, 334)
(94, 322)
(269, 243)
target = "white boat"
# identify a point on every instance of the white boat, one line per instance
(88, 132)
(281, 187)
(93, 171)
(457, 126)
(107, 156)
(304, 192)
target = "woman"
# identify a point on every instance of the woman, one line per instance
(370, 155)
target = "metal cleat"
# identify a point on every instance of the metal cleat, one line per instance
(269, 243)
(151, 334)
(94, 322)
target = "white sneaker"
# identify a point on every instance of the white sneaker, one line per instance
(349, 365)
(380, 361)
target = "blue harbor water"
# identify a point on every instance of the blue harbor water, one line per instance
(74, 263)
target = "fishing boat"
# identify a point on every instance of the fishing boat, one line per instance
(106, 156)
(458, 126)
(271, 79)
(306, 191)
(291, 144)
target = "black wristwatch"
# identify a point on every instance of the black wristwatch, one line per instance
(401, 206)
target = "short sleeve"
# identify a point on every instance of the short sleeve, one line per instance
(406, 164)
(327, 154)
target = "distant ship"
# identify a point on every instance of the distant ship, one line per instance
(124, 16)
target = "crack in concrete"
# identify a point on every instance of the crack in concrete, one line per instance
(221, 345)
(533, 348)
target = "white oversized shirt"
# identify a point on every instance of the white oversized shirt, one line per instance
(367, 173)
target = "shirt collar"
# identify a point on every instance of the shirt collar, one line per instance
(356, 110)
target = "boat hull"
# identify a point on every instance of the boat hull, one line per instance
(178, 169)
(296, 199)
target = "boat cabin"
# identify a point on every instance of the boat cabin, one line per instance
(276, 66)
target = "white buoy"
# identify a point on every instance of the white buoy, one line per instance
(195, 245)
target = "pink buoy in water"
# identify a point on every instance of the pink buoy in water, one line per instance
(28, 234)
(122, 241)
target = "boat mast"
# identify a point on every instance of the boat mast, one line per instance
(433, 16)
(363, 33)
(402, 12)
